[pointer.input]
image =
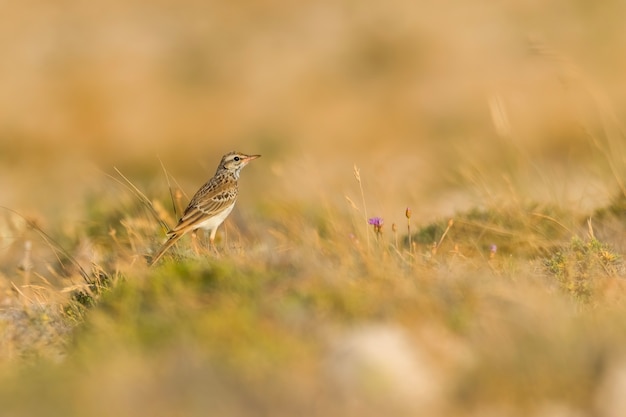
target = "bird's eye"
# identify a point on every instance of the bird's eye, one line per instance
(236, 159)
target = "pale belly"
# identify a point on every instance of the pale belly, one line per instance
(214, 222)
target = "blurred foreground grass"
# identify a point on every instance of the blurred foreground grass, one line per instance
(515, 311)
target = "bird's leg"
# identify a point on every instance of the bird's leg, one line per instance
(212, 241)
(194, 241)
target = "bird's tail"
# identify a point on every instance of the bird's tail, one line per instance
(168, 244)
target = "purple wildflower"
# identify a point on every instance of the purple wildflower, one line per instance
(492, 251)
(376, 222)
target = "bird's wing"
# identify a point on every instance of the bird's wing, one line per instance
(207, 202)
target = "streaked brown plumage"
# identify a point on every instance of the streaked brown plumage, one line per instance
(212, 203)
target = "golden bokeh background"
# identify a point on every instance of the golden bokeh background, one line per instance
(425, 98)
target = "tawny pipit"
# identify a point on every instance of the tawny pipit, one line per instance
(212, 203)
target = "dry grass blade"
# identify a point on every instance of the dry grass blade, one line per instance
(21, 293)
(352, 204)
(555, 221)
(140, 196)
(450, 224)
(357, 175)
(169, 186)
(54, 245)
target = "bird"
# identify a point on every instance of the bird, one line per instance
(211, 204)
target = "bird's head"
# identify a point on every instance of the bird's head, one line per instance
(235, 161)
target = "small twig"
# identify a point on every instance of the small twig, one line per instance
(450, 223)
(407, 213)
(436, 245)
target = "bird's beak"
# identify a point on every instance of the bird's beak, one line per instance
(251, 158)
